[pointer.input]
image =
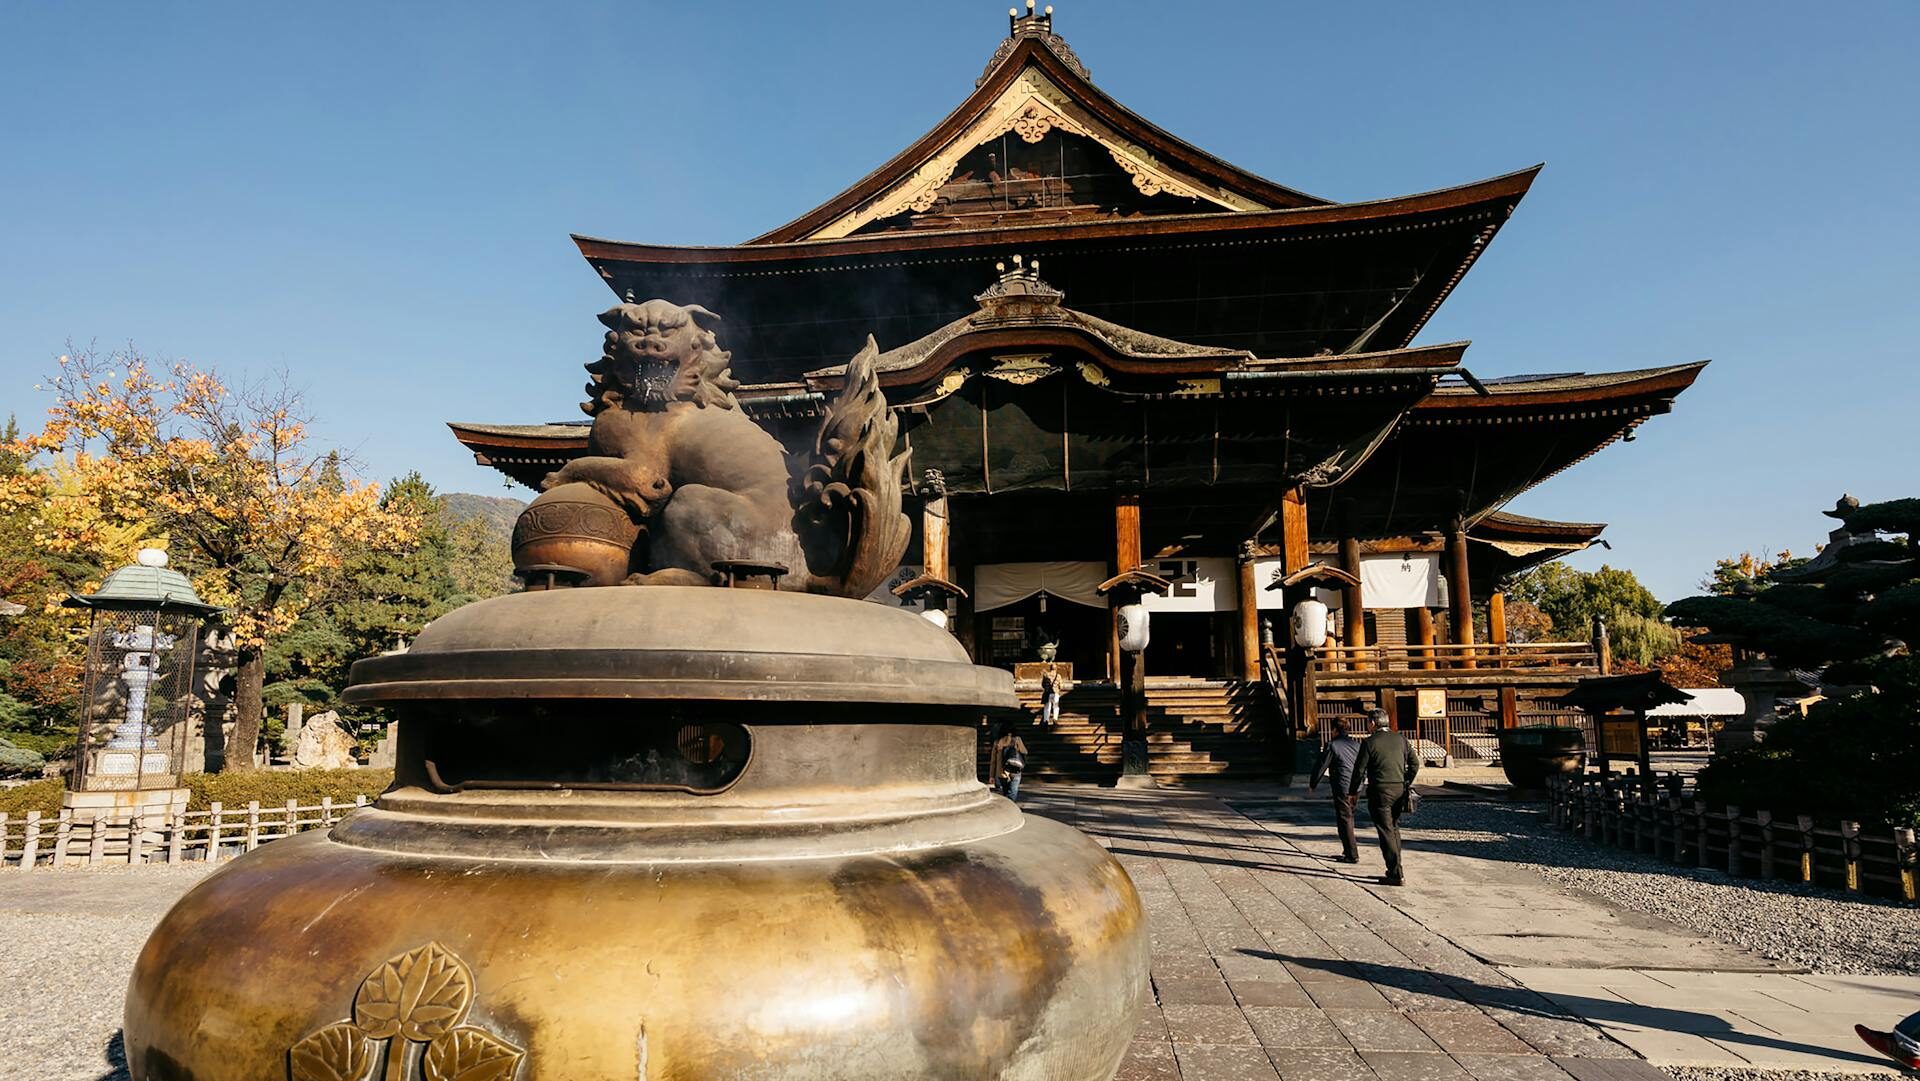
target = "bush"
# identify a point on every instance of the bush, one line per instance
(18, 761)
(1853, 756)
(275, 787)
(42, 796)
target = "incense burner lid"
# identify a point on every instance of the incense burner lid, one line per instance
(685, 643)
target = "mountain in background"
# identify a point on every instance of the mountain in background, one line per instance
(495, 511)
(480, 528)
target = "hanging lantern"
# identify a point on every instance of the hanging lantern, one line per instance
(141, 647)
(1310, 624)
(1133, 627)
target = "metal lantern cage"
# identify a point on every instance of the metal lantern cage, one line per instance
(142, 643)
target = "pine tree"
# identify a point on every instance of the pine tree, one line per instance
(1850, 617)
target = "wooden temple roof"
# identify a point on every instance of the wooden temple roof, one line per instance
(1039, 160)
(1468, 449)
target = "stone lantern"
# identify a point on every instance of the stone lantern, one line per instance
(141, 648)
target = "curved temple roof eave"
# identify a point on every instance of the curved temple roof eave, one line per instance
(1513, 185)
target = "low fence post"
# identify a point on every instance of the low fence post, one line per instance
(1903, 858)
(97, 839)
(3, 838)
(213, 832)
(253, 825)
(1765, 819)
(293, 819)
(62, 836)
(1706, 833)
(30, 842)
(176, 826)
(1805, 822)
(1850, 851)
(1733, 840)
(1666, 829)
(136, 842)
(326, 811)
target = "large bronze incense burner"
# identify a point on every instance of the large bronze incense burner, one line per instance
(668, 831)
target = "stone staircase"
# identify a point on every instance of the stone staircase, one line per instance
(1196, 729)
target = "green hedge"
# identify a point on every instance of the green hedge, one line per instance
(42, 796)
(273, 788)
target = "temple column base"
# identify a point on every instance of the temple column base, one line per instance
(1133, 764)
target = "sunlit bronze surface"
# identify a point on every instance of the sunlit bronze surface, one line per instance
(820, 889)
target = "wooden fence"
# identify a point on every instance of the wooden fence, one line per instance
(68, 840)
(1628, 812)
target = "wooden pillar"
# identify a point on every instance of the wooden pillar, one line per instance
(1249, 615)
(1423, 635)
(1353, 609)
(1126, 556)
(1497, 622)
(1459, 591)
(933, 526)
(1302, 705)
(1134, 771)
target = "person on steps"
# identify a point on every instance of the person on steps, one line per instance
(1387, 766)
(1007, 760)
(1336, 764)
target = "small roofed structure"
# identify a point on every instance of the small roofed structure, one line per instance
(1619, 706)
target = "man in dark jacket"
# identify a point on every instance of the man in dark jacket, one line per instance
(1336, 764)
(1387, 766)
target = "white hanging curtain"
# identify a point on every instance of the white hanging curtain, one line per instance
(1409, 581)
(996, 585)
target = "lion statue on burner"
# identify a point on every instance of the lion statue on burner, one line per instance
(677, 477)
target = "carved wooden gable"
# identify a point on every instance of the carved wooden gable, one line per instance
(1033, 153)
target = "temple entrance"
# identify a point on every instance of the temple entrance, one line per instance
(1013, 634)
(1184, 644)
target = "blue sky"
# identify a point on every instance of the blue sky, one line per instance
(378, 196)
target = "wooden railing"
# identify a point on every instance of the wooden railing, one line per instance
(1629, 812)
(1512, 656)
(67, 840)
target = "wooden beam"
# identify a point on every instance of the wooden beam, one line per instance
(1423, 635)
(1497, 621)
(1353, 615)
(1459, 589)
(934, 548)
(1249, 616)
(1294, 553)
(1126, 532)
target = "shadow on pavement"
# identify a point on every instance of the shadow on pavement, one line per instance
(116, 1053)
(1563, 1006)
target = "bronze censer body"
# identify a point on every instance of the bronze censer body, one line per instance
(669, 832)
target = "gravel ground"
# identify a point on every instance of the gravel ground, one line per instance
(1728, 1073)
(67, 944)
(1781, 920)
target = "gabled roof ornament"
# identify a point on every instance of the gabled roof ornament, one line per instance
(1032, 26)
(1021, 281)
(1040, 27)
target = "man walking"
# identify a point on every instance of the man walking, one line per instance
(1386, 765)
(1336, 764)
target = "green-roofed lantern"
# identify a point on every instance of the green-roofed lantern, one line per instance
(141, 647)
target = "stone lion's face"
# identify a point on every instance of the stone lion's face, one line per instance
(648, 345)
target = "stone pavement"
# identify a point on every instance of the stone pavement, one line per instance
(1272, 962)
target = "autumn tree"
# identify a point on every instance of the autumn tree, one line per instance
(261, 520)
(1571, 599)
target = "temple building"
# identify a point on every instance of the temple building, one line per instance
(1113, 352)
